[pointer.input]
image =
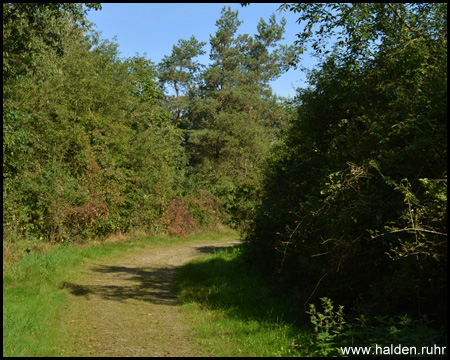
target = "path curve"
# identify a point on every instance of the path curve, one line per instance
(128, 308)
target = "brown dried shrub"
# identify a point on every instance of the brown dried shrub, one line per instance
(87, 217)
(205, 209)
(177, 221)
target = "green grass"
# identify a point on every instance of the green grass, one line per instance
(233, 309)
(237, 312)
(32, 294)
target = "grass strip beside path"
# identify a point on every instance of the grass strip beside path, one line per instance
(96, 301)
(236, 311)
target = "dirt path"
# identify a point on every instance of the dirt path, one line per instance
(128, 308)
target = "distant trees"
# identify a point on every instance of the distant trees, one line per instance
(342, 191)
(232, 116)
(181, 72)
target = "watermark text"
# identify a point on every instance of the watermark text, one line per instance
(394, 350)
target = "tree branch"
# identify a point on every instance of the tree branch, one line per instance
(402, 20)
(410, 229)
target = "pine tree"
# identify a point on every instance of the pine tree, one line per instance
(234, 117)
(180, 71)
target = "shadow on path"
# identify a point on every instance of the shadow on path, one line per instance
(211, 248)
(123, 283)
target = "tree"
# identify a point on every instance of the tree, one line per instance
(362, 28)
(261, 65)
(356, 190)
(100, 153)
(225, 52)
(233, 115)
(32, 29)
(180, 71)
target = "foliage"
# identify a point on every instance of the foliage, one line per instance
(181, 72)
(327, 325)
(31, 30)
(192, 212)
(354, 205)
(395, 330)
(333, 333)
(360, 28)
(232, 117)
(93, 146)
(178, 221)
(342, 191)
(87, 149)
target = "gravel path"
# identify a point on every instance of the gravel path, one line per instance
(128, 308)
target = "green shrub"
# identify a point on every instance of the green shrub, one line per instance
(332, 332)
(86, 154)
(354, 204)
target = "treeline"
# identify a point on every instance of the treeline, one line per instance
(355, 196)
(340, 192)
(96, 144)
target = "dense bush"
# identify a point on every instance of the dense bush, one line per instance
(87, 149)
(355, 186)
(354, 206)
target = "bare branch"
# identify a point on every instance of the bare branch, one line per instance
(410, 229)
(315, 288)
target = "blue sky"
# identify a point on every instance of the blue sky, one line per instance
(154, 29)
